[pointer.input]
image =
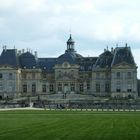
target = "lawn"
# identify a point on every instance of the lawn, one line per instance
(69, 125)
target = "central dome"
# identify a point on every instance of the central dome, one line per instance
(70, 54)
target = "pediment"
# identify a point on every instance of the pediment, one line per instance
(123, 65)
(65, 77)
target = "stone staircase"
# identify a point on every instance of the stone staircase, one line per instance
(71, 96)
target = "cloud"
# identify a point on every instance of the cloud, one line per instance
(44, 25)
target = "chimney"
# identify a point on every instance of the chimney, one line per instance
(19, 52)
(112, 50)
(126, 45)
(16, 51)
(107, 47)
(35, 54)
(22, 50)
(4, 48)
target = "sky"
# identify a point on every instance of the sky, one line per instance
(44, 25)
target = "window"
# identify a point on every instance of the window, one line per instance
(88, 86)
(25, 88)
(129, 86)
(65, 64)
(65, 73)
(10, 76)
(81, 77)
(33, 75)
(118, 90)
(24, 76)
(10, 84)
(89, 68)
(129, 90)
(59, 73)
(44, 75)
(51, 87)
(72, 86)
(44, 88)
(129, 75)
(107, 87)
(97, 75)
(107, 75)
(1, 75)
(82, 68)
(72, 73)
(33, 88)
(59, 87)
(98, 87)
(118, 75)
(118, 85)
(1, 86)
(81, 87)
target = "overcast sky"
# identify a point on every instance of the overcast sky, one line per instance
(44, 25)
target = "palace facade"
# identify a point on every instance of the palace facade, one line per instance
(112, 74)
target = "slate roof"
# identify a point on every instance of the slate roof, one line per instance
(123, 54)
(69, 56)
(9, 57)
(28, 61)
(47, 64)
(86, 63)
(104, 60)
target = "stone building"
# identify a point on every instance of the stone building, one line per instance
(112, 74)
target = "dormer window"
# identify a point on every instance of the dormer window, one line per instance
(98, 75)
(118, 75)
(33, 75)
(82, 68)
(129, 75)
(89, 68)
(66, 65)
(24, 76)
(10, 75)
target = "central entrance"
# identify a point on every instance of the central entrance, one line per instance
(66, 88)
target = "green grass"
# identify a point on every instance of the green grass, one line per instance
(69, 125)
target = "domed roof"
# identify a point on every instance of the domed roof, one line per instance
(69, 56)
(27, 60)
(104, 60)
